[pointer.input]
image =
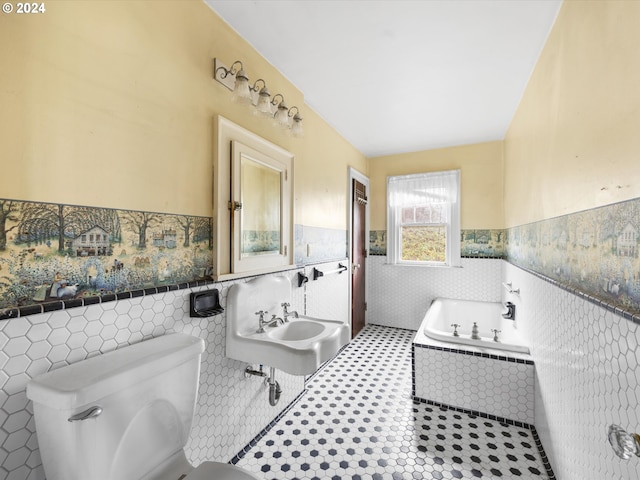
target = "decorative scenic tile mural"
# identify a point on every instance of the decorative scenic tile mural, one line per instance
(51, 252)
(473, 243)
(595, 251)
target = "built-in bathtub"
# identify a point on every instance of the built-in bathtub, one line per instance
(445, 312)
(494, 379)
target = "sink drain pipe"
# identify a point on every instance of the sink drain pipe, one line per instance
(274, 386)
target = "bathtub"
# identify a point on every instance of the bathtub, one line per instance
(488, 315)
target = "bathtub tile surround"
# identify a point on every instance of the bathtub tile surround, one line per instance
(231, 409)
(399, 296)
(501, 386)
(587, 364)
(596, 251)
(357, 420)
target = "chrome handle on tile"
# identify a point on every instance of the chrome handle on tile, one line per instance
(625, 444)
(455, 329)
(89, 413)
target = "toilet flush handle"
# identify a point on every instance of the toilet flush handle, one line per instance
(88, 413)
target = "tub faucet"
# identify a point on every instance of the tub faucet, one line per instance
(495, 334)
(510, 314)
(475, 334)
(455, 329)
(286, 313)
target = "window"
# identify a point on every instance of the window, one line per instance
(423, 215)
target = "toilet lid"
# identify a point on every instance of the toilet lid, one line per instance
(220, 471)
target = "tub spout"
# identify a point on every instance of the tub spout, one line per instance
(475, 334)
(510, 314)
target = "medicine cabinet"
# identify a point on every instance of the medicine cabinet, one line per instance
(253, 203)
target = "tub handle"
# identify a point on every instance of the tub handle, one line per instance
(88, 413)
(510, 289)
(495, 334)
(455, 329)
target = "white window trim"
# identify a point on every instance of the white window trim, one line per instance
(394, 224)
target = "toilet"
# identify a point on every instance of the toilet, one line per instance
(124, 415)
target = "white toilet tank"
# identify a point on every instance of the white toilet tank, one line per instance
(146, 394)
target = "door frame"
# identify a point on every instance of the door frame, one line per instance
(357, 175)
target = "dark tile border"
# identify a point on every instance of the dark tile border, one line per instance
(34, 309)
(240, 455)
(615, 309)
(475, 413)
(503, 358)
(514, 423)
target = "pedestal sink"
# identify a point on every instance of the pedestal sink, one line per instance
(298, 346)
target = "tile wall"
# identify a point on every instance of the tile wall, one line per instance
(231, 409)
(587, 361)
(587, 356)
(399, 296)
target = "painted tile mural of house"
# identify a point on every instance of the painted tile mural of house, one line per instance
(627, 245)
(166, 238)
(92, 242)
(51, 252)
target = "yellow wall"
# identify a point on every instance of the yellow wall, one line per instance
(111, 104)
(481, 181)
(574, 142)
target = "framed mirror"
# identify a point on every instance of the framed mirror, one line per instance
(259, 209)
(253, 203)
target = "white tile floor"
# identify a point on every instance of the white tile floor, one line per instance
(358, 421)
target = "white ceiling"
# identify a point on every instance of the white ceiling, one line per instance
(398, 76)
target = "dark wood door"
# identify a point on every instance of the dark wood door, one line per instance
(358, 257)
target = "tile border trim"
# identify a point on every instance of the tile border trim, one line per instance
(502, 358)
(514, 423)
(240, 455)
(616, 310)
(34, 309)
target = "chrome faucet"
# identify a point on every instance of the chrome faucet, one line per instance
(261, 321)
(286, 313)
(274, 322)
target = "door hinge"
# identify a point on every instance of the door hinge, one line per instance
(285, 249)
(286, 175)
(365, 306)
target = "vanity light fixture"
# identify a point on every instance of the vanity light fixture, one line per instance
(258, 95)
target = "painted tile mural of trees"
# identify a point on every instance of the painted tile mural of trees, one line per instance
(54, 252)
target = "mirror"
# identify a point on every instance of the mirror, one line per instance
(260, 190)
(253, 204)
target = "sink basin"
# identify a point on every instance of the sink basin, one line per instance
(297, 330)
(297, 347)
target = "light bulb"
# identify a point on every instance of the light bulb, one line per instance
(281, 117)
(296, 127)
(263, 106)
(241, 91)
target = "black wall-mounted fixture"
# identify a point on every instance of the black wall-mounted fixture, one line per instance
(302, 279)
(205, 304)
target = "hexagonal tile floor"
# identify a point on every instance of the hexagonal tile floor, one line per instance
(357, 420)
